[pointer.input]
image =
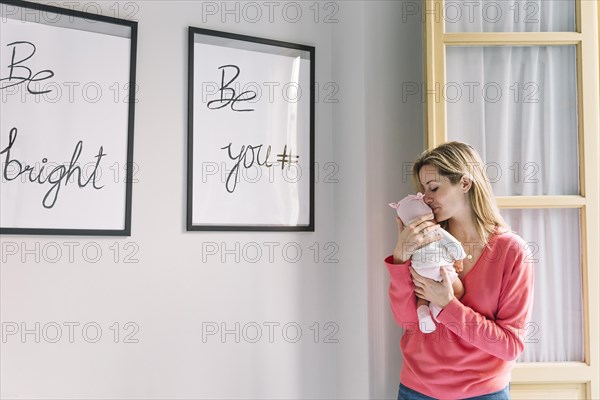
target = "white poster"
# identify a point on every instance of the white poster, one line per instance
(251, 134)
(65, 131)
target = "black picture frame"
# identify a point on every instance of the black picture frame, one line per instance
(113, 217)
(219, 133)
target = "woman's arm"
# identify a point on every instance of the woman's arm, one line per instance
(402, 297)
(504, 336)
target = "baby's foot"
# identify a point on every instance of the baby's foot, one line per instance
(426, 324)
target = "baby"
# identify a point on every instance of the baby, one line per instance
(427, 260)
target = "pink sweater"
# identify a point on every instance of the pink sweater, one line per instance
(479, 337)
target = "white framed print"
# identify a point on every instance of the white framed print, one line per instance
(250, 133)
(67, 87)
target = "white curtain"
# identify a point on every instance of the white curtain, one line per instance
(518, 107)
(509, 15)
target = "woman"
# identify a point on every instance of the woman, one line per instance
(478, 339)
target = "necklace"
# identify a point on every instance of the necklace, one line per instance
(473, 246)
(471, 249)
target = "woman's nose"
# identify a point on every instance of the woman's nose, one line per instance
(428, 199)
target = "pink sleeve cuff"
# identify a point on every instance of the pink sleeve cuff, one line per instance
(396, 269)
(449, 313)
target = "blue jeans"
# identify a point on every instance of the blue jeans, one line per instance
(405, 393)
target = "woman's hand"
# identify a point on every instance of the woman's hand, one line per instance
(415, 235)
(438, 293)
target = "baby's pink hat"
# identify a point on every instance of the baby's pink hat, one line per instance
(411, 207)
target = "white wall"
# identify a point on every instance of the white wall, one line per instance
(377, 135)
(349, 52)
(170, 292)
(396, 133)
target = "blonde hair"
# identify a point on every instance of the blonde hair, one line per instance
(455, 160)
